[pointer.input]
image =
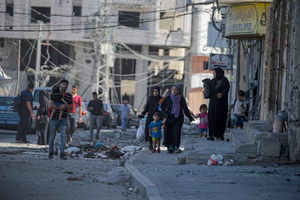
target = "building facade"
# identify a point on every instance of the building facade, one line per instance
(148, 42)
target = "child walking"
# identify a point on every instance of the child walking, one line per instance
(58, 100)
(203, 125)
(155, 131)
(239, 110)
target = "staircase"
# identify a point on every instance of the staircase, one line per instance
(258, 142)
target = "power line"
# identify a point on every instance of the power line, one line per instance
(92, 28)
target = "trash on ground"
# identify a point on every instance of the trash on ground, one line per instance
(99, 144)
(219, 159)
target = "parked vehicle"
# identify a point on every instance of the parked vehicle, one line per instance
(110, 120)
(8, 119)
(133, 121)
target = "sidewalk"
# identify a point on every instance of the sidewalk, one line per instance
(158, 176)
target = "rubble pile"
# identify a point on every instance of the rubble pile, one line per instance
(100, 150)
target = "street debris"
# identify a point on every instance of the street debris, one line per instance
(219, 160)
(75, 178)
(100, 150)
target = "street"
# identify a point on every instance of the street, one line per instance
(27, 173)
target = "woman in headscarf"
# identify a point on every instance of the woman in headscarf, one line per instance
(171, 109)
(150, 108)
(218, 105)
(42, 128)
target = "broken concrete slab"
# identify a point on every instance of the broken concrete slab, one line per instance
(131, 148)
(269, 148)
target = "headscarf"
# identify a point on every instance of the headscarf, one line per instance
(219, 73)
(176, 102)
(158, 96)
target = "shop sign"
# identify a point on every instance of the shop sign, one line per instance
(223, 61)
(246, 19)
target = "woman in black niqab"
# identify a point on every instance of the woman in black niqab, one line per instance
(218, 105)
(150, 108)
(43, 128)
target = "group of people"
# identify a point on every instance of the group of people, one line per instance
(167, 111)
(173, 106)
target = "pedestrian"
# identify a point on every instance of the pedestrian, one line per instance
(151, 108)
(218, 105)
(171, 109)
(42, 120)
(55, 123)
(155, 131)
(125, 115)
(96, 109)
(72, 123)
(239, 110)
(25, 112)
(203, 116)
(125, 97)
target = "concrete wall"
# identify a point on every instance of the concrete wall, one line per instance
(281, 69)
(294, 83)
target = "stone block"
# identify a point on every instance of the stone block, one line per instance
(246, 149)
(269, 148)
(283, 137)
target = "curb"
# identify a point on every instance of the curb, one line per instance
(145, 186)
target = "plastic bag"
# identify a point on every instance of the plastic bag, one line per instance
(140, 134)
(212, 160)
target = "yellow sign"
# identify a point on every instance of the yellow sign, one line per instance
(246, 19)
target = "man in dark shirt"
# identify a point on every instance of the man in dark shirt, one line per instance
(25, 112)
(62, 124)
(95, 106)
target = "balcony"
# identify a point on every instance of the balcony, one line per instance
(135, 2)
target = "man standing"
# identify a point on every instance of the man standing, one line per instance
(25, 112)
(125, 115)
(125, 97)
(72, 123)
(62, 124)
(95, 106)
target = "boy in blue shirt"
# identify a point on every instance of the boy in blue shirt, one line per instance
(155, 131)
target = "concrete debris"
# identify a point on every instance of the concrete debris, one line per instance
(131, 148)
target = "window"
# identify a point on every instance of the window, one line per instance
(10, 9)
(129, 19)
(1, 42)
(77, 11)
(40, 14)
(205, 65)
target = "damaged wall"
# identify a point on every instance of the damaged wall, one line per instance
(281, 69)
(294, 84)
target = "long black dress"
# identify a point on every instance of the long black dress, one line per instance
(43, 129)
(172, 130)
(218, 107)
(150, 108)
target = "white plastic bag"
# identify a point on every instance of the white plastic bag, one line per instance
(140, 134)
(212, 160)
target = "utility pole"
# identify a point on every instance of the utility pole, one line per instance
(38, 55)
(19, 65)
(102, 48)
